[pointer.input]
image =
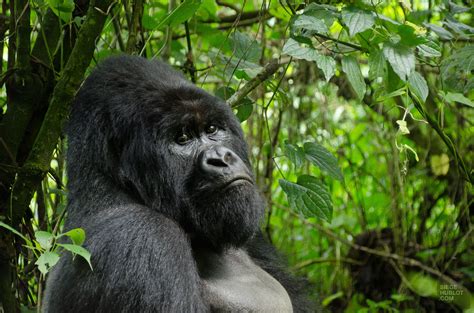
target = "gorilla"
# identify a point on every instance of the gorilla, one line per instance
(159, 178)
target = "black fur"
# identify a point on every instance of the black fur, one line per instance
(142, 199)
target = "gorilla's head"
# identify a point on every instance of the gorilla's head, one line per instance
(167, 144)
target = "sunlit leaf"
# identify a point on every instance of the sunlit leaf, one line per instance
(295, 153)
(308, 196)
(294, 49)
(77, 235)
(401, 58)
(75, 249)
(44, 238)
(357, 20)
(46, 261)
(322, 158)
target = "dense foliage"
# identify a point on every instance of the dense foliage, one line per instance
(359, 115)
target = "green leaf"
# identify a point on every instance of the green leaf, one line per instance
(309, 23)
(246, 48)
(75, 249)
(181, 13)
(224, 92)
(322, 158)
(457, 97)
(244, 109)
(392, 94)
(440, 31)
(352, 70)
(429, 49)
(357, 20)
(309, 197)
(62, 8)
(295, 154)
(401, 58)
(377, 64)
(408, 36)
(423, 285)
(13, 230)
(149, 23)
(293, 48)
(418, 86)
(321, 12)
(46, 261)
(327, 65)
(77, 235)
(45, 239)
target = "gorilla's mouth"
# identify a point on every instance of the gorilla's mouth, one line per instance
(238, 180)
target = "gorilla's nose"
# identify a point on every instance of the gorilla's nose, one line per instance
(221, 161)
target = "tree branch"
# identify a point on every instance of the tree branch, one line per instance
(38, 162)
(266, 72)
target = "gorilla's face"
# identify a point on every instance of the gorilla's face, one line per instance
(201, 154)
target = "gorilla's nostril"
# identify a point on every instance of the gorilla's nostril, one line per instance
(228, 157)
(216, 162)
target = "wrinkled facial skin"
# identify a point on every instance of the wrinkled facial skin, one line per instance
(200, 157)
(216, 189)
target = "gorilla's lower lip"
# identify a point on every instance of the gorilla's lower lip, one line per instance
(238, 181)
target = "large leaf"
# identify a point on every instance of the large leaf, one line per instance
(245, 109)
(293, 48)
(352, 70)
(75, 249)
(429, 49)
(181, 13)
(327, 65)
(457, 97)
(377, 64)
(295, 153)
(309, 196)
(309, 23)
(322, 158)
(44, 238)
(77, 235)
(62, 8)
(357, 20)
(46, 261)
(246, 48)
(401, 58)
(418, 86)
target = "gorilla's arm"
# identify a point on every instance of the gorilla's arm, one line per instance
(268, 258)
(141, 260)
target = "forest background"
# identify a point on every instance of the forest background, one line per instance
(359, 115)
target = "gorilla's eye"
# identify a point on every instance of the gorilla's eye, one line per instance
(182, 139)
(211, 129)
